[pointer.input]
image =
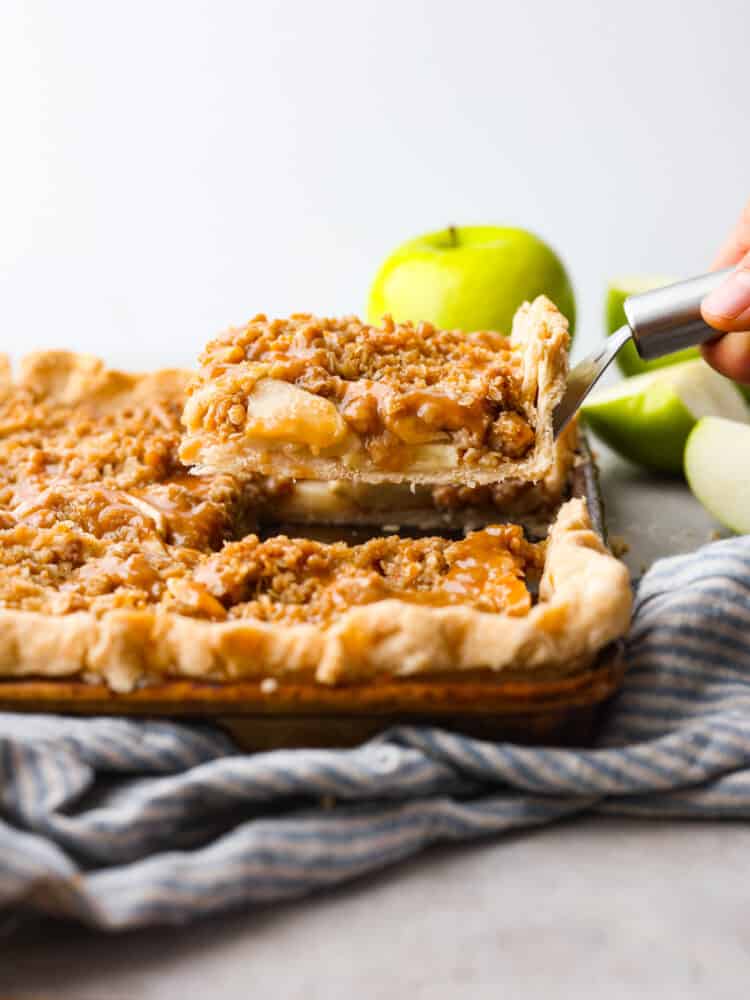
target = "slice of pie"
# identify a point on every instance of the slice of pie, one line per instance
(322, 399)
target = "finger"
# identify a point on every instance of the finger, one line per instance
(727, 308)
(730, 355)
(737, 245)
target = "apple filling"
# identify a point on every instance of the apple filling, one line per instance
(316, 398)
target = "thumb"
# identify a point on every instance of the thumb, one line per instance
(727, 308)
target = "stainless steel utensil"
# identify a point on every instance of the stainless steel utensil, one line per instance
(659, 322)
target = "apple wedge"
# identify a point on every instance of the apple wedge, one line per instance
(647, 418)
(717, 468)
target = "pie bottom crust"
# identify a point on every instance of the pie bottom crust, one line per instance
(584, 603)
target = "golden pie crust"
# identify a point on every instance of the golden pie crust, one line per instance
(117, 565)
(323, 399)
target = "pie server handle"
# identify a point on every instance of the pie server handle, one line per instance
(669, 319)
(659, 322)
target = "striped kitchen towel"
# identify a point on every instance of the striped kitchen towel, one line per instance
(123, 823)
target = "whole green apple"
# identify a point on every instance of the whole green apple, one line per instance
(469, 278)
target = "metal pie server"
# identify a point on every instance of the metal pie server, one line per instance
(659, 322)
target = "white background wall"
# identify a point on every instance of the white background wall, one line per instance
(168, 168)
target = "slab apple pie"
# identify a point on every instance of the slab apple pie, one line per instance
(336, 399)
(120, 564)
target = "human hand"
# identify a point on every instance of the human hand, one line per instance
(727, 309)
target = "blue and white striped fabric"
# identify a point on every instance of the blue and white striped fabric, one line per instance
(121, 823)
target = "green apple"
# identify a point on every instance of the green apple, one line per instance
(647, 418)
(469, 278)
(629, 360)
(717, 468)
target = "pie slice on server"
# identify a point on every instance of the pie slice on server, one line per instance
(322, 399)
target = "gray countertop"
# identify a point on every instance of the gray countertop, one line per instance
(586, 908)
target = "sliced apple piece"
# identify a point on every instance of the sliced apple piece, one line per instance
(717, 468)
(647, 418)
(278, 410)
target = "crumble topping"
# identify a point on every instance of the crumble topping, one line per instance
(298, 580)
(325, 354)
(96, 509)
(78, 548)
